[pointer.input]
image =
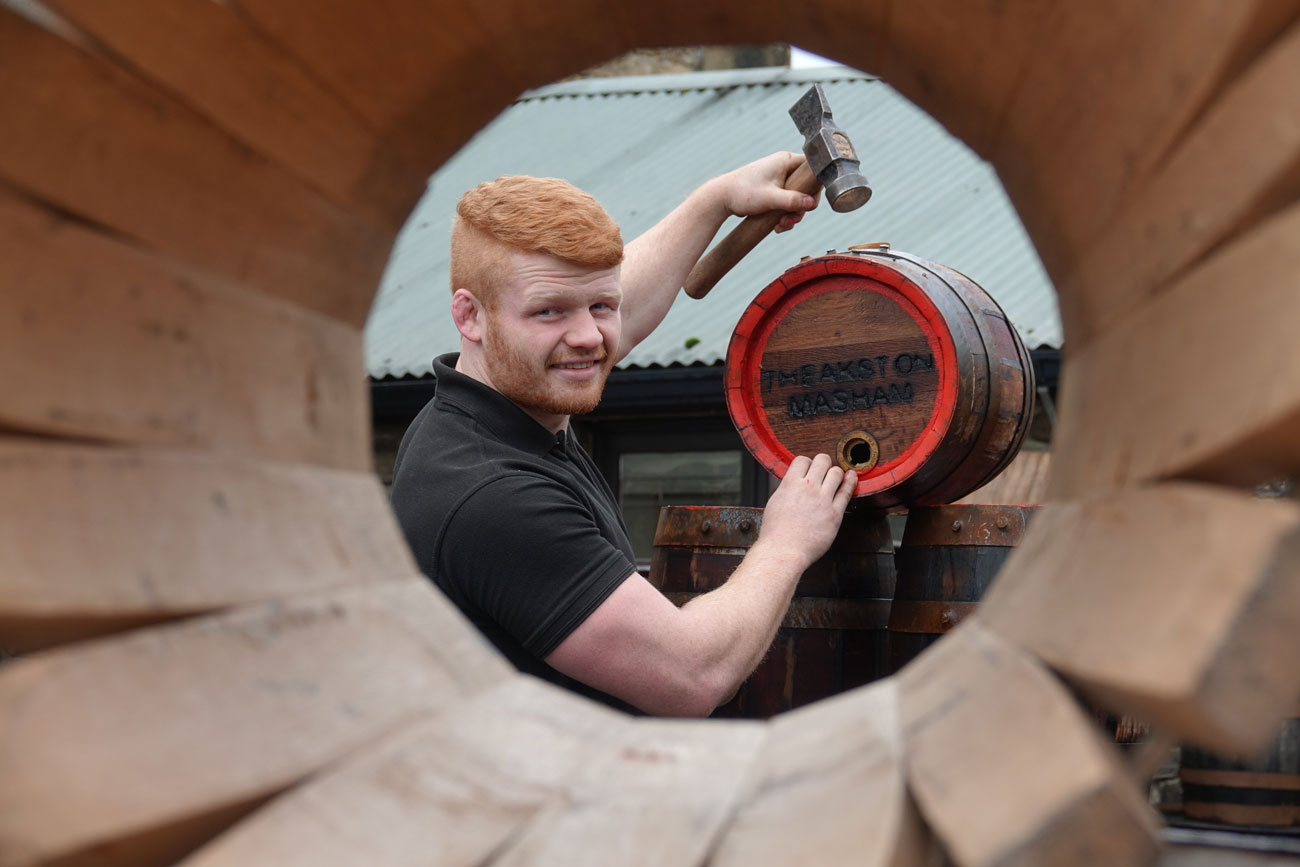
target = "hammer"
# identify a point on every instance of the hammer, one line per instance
(829, 162)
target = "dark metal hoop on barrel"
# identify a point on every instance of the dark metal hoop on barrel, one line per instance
(1261, 791)
(948, 558)
(903, 369)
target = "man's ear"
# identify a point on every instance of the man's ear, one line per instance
(467, 313)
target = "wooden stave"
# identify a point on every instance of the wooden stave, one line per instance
(997, 459)
(942, 580)
(936, 482)
(972, 469)
(973, 380)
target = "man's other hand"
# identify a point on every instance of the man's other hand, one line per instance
(803, 515)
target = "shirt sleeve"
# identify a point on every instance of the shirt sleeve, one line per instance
(527, 552)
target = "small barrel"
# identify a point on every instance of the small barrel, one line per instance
(903, 370)
(1264, 791)
(948, 558)
(833, 636)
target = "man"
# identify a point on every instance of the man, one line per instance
(511, 518)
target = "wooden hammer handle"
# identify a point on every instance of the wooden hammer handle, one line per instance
(715, 264)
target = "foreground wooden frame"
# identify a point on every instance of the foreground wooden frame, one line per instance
(235, 660)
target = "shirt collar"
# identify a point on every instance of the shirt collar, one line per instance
(493, 409)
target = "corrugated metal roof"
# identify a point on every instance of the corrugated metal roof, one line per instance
(641, 144)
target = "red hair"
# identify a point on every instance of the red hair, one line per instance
(532, 215)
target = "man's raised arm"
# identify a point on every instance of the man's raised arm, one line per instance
(656, 263)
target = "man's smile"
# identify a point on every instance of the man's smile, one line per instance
(581, 370)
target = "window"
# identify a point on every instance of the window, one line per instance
(655, 462)
(648, 481)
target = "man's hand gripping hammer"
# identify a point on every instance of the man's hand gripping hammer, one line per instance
(829, 162)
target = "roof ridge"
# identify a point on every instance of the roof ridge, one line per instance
(715, 79)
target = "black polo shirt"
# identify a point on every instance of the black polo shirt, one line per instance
(514, 523)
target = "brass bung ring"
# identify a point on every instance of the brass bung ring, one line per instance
(857, 450)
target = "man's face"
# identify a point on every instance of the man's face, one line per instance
(552, 337)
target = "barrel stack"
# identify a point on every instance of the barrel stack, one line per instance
(909, 373)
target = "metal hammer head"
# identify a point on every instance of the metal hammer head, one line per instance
(829, 152)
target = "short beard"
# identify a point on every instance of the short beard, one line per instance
(513, 375)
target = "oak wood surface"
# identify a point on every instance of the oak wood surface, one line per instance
(1176, 604)
(1202, 381)
(1259, 791)
(111, 746)
(832, 636)
(869, 330)
(111, 342)
(162, 534)
(661, 795)
(883, 348)
(1006, 767)
(948, 558)
(1106, 91)
(97, 142)
(453, 789)
(1238, 163)
(1010, 406)
(211, 57)
(1024, 482)
(426, 76)
(829, 788)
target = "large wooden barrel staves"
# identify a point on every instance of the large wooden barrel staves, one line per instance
(904, 370)
(833, 636)
(948, 558)
(1263, 791)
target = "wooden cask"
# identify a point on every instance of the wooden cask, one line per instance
(903, 370)
(1264, 790)
(833, 636)
(948, 558)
